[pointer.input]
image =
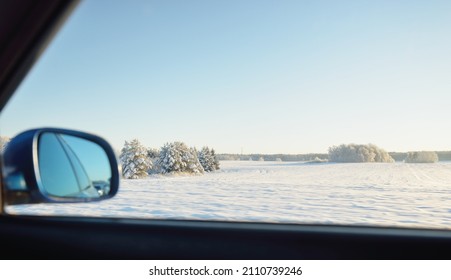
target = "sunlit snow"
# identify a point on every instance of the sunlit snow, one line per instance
(393, 194)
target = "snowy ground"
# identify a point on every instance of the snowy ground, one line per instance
(408, 195)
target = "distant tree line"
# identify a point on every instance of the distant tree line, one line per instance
(272, 157)
(442, 155)
(344, 153)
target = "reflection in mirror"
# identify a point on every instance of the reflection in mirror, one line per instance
(70, 166)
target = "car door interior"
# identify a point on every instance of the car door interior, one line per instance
(25, 29)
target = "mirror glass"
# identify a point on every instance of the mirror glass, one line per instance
(70, 166)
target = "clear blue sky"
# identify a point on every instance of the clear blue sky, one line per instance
(261, 76)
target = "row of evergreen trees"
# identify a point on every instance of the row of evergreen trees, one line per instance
(138, 162)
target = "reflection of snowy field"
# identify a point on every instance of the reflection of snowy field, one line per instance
(379, 194)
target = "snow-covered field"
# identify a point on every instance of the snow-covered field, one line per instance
(408, 195)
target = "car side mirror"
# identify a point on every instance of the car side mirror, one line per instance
(50, 165)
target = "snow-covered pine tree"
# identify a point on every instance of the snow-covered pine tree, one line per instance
(215, 159)
(177, 157)
(206, 159)
(154, 156)
(153, 153)
(170, 159)
(135, 161)
(194, 164)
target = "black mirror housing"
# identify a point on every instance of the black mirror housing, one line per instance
(51, 165)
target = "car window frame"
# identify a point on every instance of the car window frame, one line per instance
(28, 27)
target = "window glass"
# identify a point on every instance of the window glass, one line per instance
(331, 112)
